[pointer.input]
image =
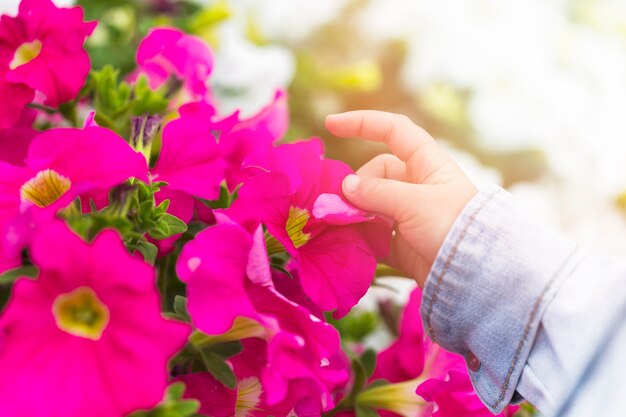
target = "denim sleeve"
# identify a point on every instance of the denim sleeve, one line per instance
(489, 288)
(574, 326)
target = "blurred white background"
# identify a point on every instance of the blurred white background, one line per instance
(546, 76)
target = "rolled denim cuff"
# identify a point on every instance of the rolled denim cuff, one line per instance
(488, 288)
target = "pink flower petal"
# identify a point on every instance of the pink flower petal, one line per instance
(214, 265)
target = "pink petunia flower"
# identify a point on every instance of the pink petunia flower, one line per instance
(189, 161)
(74, 335)
(336, 246)
(248, 146)
(167, 52)
(213, 265)
(249, 398)
(14, 141)
(41, 49)
(63, 164)
(245, 145)
(200, 151)
(227, 275)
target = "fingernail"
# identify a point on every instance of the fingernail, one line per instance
(351, 183)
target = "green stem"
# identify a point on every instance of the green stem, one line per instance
(163, 281)
(104, 121)
(41, 107)
(68, 111)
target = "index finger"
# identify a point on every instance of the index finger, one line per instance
(404, 138)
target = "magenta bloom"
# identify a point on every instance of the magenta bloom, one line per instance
(227, 274)
(214, 266)
(167, 51)
(335, 244)
(63, 164)
(245, 145)
(76, 334)
(302, 348)
(14, 142)
(248, 146)
(249, 398)
(443, 375)
(189, 161)
(16, 97)
(41, 49)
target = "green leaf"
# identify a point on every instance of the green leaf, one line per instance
(162, 208)
(360, 377)
(175, 224)
(219, 369)
(356, 325)
(368, 359)
(27, 271)
(147, 100)
(227, 349)
(161, 230)
(361, 411)
(225, 199)
(145, 209)
(282, 269)
(180, 308)
(173, 405)
(144, 192)
(148, 250)
(175, 391)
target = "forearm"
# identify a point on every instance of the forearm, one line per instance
(516, 297)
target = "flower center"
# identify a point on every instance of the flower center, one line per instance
(25, 53)
(295, 224)
(81, 313)
(249, 392)
(45, 188)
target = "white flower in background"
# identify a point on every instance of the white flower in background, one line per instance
(604, 15)
(394, 289)
(10, 6)
(246, 76)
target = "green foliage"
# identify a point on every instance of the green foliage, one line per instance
(173, 405)
(362, 411)
(368, 360)
(180, 309)
(217, 367)
(132, 211)
(225, 199)
(152, 218)
(356, 325)
(116, 101)
(362, 369)
(26, 271)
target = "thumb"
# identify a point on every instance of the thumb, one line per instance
(390, 198)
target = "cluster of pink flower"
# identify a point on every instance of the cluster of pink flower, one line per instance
(86, 336)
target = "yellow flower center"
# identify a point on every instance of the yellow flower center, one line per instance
(25, 53)
(296, 221)
(81, 313)
(45, 188)
(249, 392)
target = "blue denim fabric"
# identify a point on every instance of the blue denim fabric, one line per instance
(492, 295)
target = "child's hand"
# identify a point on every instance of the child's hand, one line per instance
(419, 186)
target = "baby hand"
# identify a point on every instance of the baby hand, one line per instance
(419, 186)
